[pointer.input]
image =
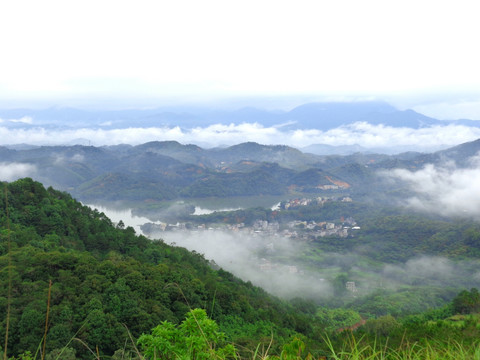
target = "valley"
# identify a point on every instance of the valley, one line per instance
(323, 243)
(239, 180)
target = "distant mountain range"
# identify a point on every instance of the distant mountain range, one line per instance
(324, 128)
(322, 116)
(158, 171)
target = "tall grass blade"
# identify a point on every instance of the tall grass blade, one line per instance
(46, 319)
(133, 343)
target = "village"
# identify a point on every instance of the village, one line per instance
(268, 231)
(266, 239)
(295, 229)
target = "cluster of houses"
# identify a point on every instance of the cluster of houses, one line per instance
(296, 229)
(293, 203)
(266, 235)
(321, 228)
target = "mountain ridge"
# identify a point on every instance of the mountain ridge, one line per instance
(314, 115)
(169, 170)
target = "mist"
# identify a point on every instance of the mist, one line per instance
(242, 255)
(275, 264)
(443, 189)
(360, 133)
(292, 268)
(14, 171)
(22, 120)
(433, 270)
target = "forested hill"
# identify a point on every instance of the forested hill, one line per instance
(165, 171)
(106, 279)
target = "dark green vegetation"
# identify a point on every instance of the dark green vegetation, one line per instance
(159, 171)
(164, 170)
(402, 262)
(388, 234)
(146, 176)
(105, 280)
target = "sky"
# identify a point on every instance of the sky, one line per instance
(414, 54)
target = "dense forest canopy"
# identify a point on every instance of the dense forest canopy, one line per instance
(105, 277)
(104, 283)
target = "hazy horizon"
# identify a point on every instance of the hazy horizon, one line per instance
(270, 55)
(278, 54)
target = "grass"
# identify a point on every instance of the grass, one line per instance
(349, 347)
(356, 349)
(352, 348)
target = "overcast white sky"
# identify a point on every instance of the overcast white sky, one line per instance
(422, 54)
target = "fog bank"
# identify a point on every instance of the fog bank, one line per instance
(360, 133)
(443, 189)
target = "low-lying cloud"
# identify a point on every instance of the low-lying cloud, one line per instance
(424, 270)
(285, 267)
(361, 133)
(78, 158)
(443, 189)
(241, 255)
(23, 120)
(287, 276)
(14, 171)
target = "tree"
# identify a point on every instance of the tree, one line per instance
(196, 337)
(467, 302)
(383, 326)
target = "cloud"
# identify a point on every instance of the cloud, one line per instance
(458, 109)
(239, 254)
(423, 269)
(251, 59)
(289, 272)
(15, 171)
(78, 158)
(361, 133)
(23, 120)
(432, 270)
(445, 190)
(61, 160)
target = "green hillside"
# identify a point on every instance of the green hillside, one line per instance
(105, 280)
(107, 291)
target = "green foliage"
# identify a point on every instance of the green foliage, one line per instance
(403, 301)
(63, 354)
(293, 350)
(382, 326)
(197, 337)
(467, 302)
(335, 319)
(257, 182)
(354, 348)
(107, 279)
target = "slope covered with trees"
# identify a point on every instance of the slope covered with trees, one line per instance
(106, 279)
(103, 287)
